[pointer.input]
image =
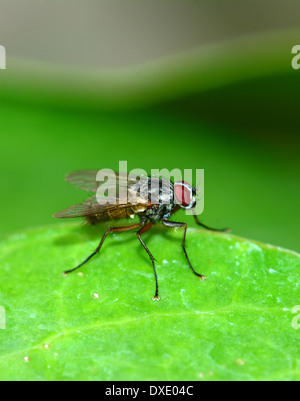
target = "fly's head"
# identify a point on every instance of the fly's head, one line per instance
(185, 195)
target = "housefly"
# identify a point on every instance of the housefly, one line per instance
(152, 200)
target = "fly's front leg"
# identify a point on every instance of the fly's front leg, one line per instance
(174, 224)
(222, 230)
(110, 230)
(145, 228)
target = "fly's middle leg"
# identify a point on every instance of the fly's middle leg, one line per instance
(145, 228)
(174, 224)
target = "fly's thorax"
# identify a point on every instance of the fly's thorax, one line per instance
(158, 212)
(152, 198)
(151, 191)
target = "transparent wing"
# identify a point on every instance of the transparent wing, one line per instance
(130, 192)
(87, 179)
(91, 207)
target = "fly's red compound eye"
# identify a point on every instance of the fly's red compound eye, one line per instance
(182, 192)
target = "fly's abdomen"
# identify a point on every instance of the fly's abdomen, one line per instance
(114, 214)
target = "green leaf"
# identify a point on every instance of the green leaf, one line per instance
(236, 325)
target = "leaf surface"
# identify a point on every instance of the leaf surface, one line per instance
(102, 324)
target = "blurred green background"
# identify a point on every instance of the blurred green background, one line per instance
(206, 91)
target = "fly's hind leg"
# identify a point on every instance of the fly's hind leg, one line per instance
(110, 230)
(174, 224)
